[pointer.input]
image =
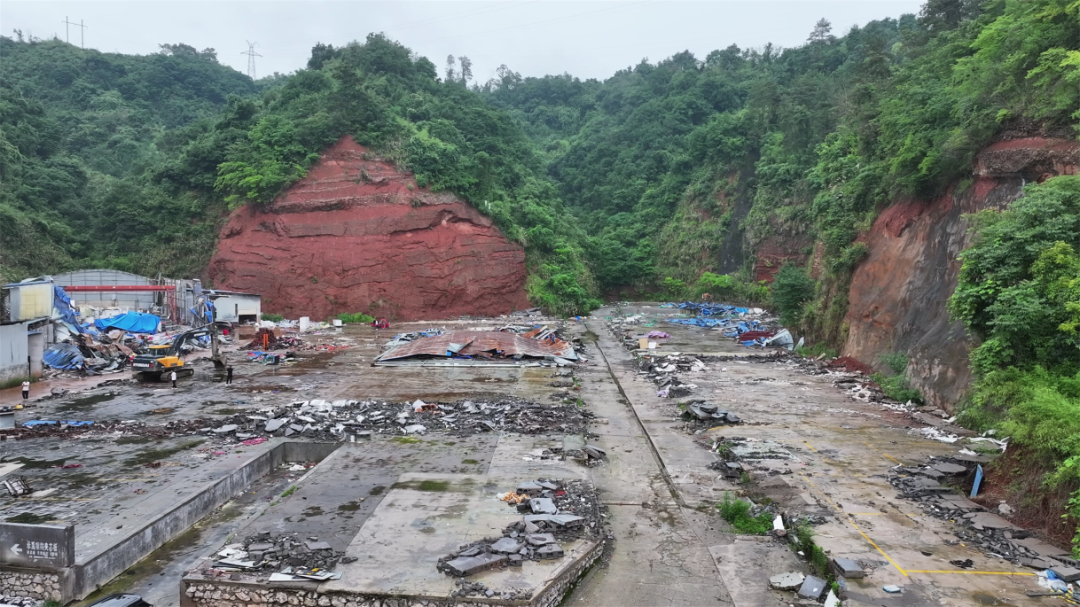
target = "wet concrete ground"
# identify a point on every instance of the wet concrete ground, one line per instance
(670, 546)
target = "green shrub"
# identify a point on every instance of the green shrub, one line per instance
(897, 387)
(355, 318)
(737, 513)
(791, 289)
(272, 317)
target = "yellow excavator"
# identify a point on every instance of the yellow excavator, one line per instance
(165, 358)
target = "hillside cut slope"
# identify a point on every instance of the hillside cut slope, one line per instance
(359, 235)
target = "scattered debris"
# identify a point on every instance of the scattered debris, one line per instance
(555, 512)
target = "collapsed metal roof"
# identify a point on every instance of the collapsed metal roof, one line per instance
(481, 347)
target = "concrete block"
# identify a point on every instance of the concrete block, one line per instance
(848, 568)
(550, 551)
(787, 581)
(540, 539)
(316, 545)
(1067, 574)
(812, 588)
(468, 565)
(543, 505)
(506, 545)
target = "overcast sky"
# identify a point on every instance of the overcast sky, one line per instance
(534, 37)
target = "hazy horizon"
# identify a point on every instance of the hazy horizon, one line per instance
(532, 37)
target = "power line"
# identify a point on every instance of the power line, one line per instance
(82, 31)
(251, 58)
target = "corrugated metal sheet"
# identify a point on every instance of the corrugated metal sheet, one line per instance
(483, 344)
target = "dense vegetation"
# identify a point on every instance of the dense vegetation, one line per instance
(81, 135)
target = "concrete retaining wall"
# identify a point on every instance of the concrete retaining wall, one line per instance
(86, 576)
(202, 593)
(107, 565)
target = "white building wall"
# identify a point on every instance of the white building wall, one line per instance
(13, 351)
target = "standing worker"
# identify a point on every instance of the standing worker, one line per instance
(228, 375)
(25, 390)
(172, 376)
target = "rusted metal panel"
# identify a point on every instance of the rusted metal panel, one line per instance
(484, 344)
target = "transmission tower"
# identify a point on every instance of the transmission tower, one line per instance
(82, 31)
(251, 58)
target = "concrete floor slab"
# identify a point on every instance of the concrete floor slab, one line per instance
(426, 516)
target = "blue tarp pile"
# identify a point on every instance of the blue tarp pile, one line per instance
(63, 356)
(62, 303)
(712, 315)
(49, 422)
(132, 322)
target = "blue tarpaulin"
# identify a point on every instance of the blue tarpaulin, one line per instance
(62, 303)
(63, 356)
(132, 322)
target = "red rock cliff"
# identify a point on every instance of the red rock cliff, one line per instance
(898, 293)
(358, 235)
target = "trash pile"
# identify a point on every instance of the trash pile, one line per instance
(507, 346)
(980, 528)
(267, 339)
(554, 512)
(663, 371)
(294, 558)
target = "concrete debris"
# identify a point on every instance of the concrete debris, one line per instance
(891, 589)
(848, 568)
(787, 581)
(812, 588)
(832, 600)
(286, 554)
(702, 415)
(977, 528)
(568, 511)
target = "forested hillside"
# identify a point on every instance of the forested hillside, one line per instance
(81, 135)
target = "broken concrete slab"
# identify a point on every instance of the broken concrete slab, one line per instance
(949, 469)
(812, 588)
(543, 505)
(1067, 574)
(274, 424)
(314, 545)
(470, 565)
(787, 581)
(506, 545)
(540, 539)
(832, 600)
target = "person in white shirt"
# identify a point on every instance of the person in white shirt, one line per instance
(25, 390)
(173, 378)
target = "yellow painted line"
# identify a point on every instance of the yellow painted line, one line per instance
(883, 453)
(856, 527)
(811, 446)
(971, 572)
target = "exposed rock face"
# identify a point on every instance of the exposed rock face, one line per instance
(358, 235)
(899, 292)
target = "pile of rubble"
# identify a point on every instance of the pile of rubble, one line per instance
(340, 418)
(701, 416)
(987, 531)
(663, 371)
(291, 557)
(554, 512)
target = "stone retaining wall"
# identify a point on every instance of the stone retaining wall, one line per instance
(34, 585)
